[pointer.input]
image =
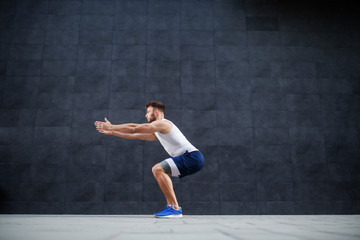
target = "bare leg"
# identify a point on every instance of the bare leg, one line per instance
(166, 185)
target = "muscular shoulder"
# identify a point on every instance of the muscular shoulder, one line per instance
(164, 126)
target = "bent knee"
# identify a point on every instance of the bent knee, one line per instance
(157, 169)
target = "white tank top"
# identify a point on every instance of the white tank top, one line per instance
(175, 143)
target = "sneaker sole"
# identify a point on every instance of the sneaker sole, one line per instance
(171, 216)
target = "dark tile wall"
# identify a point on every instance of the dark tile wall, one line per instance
(269, 91)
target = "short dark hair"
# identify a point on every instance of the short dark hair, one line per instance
(156, 104)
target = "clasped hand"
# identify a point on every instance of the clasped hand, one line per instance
(103, 127)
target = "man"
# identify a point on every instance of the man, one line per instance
(185, 158)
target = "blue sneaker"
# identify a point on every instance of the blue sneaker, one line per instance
(169, 212)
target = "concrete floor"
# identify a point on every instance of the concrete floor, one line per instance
(108, 227)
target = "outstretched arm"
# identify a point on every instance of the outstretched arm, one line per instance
(136, 136)
(126, 124)
(156, 126)
(110, 127)
(132, 136)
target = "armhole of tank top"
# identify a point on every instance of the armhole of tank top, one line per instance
(172, 126)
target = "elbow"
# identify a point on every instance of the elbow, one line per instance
(132, 130)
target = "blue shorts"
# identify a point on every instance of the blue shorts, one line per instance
(186, 164)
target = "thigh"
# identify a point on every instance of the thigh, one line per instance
(169, 167)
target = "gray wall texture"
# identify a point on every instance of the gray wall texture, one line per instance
(269, 91)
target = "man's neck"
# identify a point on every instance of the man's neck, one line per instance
(160, 118)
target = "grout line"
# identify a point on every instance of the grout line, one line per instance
(216, 110)
(180, 199)
(252, 112)
(108, 111)
(143, 144)
(287, 123)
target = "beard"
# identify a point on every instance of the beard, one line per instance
(152, 118)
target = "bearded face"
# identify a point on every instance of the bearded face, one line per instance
(150, 115)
